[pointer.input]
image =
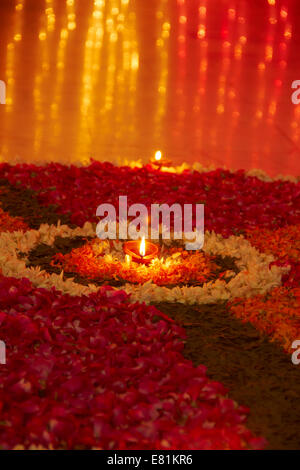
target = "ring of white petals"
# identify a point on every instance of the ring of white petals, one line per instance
(255, 276)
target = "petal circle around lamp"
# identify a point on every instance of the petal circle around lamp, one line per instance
(141, 251)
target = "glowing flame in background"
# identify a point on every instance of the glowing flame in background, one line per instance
(158, 155)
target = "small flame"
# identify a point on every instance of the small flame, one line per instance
(158, 155)
(143, 247)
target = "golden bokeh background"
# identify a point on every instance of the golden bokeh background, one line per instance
(115, 80)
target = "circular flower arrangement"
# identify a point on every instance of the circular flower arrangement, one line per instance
(254, 274)
(105, 261)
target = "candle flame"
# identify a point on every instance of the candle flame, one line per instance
(143, 247)
(158, 155)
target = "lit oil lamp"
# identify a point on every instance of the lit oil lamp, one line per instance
(158, 160)
(140, 251)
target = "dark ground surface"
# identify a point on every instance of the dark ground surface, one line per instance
(257, 373)
(20, 202)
